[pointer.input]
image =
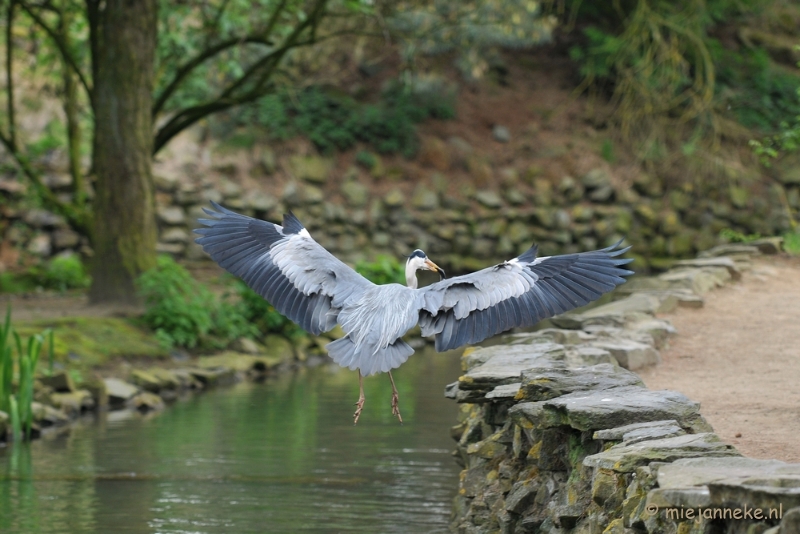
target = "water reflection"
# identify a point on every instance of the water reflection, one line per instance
(278, 457)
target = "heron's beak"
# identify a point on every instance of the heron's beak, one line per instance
(435, 268)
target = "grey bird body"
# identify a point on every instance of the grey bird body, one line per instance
(310, 286)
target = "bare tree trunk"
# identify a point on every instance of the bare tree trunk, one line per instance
(124, 36)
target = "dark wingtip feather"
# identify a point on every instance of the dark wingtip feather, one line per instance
(530, 254)
(291, 224)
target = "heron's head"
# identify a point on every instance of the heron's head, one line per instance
(419, 260)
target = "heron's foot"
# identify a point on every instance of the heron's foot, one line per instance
(359, 407)
(396, 407)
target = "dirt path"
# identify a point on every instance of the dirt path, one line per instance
(739, 356)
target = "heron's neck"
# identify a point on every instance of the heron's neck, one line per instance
(411, 275)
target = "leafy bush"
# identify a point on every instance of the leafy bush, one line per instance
(178, 308)
(791, 242)
(183, 312)
(65, 272)
(760, 94)
(384, 270)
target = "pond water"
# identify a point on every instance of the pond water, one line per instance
(281, 456)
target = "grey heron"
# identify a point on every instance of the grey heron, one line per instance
(310, 286)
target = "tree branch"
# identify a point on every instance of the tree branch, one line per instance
(260, 37)
(79, 219)
(12, 128)
(205, 55)
(61, 45)
(227, 98)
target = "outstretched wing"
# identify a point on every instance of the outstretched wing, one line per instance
(520, 292)
(283, 264)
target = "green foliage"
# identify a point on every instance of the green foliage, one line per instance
(18, 404)
(607, 151)
(183, 312)
(652, 57)
(471, 28)
(760, 94)
(178, 308)
(334, 121)
(791, 242)
(367, 159)
(384, 270)
(737, 237)
(16, 283)
(65, 272)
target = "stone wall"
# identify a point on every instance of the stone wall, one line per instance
(489, 213)
(557, 435)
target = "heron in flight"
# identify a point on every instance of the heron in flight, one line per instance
(310, 286)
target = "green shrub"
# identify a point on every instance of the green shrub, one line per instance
(791, 242)
(737, 237)
(334, 121)
(367, 159)
(384, 270)
(183, 312)
(65, 272)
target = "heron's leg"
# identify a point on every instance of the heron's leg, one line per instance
(360, 403)
(395, 398)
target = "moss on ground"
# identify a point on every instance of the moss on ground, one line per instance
(92, 341)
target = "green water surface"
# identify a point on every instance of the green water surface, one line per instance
(280, 456)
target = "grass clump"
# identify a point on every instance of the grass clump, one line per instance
(17, 402)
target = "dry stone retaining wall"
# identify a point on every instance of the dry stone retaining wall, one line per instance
(557, 435)
(467, 225)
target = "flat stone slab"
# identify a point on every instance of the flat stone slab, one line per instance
(636, 303)
(730, 250)
(616, 434)
(542, 384)
(561, 336)
(610, 408)
(119, 391)
(635, 307)
(625, 458)
(699, 281)
(697, 497)
(759, 494)
(704, 471)
(768, 245)
(720, 261)
(645, 434)
(504, 392)
(659, 329)
(505, 364)
(629, 354)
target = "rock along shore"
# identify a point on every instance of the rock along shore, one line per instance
(58, 400)
(558, 435)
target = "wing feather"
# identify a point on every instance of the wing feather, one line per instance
(518, 293)
(283, 264)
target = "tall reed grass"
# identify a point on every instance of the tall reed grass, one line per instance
(18, 401)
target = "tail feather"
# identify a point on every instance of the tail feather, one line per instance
(344, 352)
